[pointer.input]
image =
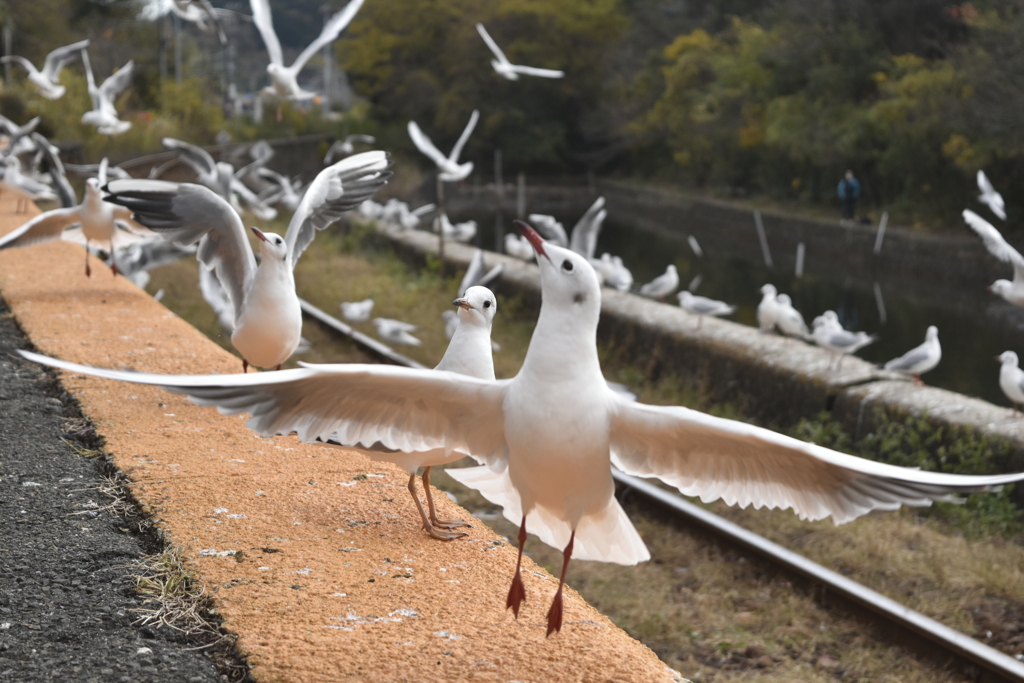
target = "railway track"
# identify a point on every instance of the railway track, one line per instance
(940, 641)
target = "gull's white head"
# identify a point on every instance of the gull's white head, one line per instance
(784, 300)
(768, 290)
(1001, 287)
(685, 297)
(1007, 358)
(567, 279)
(92, 187)
(932, 334)
(272, 246)
(477, 307)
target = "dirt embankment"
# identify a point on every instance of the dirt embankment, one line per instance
(314, 555)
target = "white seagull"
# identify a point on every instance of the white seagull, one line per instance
(14, 179)
(396, 331)
(1000, 248)
(284, 79)
(919, 359)
(457, 232)
(103, 114)
(92, 221)
(768, 309)
(828, 334)
(267, 316)
(551, 434)
(506, 68)
(357, 311)
(202, 14)
(584, 234)
(1011, 378)
(47, 81)
(550, 229)
(663, 285)
(701, 306)
(518, 247)
(788, 319)
(451, 171)
(989, 196)
(347, 146)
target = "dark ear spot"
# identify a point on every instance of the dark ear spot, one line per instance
(579, 297)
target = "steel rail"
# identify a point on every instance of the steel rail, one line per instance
(995, 664)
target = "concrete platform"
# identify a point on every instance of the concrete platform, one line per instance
(314, 555)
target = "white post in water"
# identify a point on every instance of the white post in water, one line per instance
(800, 260)
(881, 232)
(521, 197)
(764, 239)
(880, 303)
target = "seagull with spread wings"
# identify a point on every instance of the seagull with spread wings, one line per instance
(92, 221)
(989, 196)
(267, 316)
(450, 170)
(508, 69)
(1001, 249)
(550, 435)
(47, 81)
(104, 114)
(284, 79)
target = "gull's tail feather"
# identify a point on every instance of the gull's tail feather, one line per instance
(606, 536)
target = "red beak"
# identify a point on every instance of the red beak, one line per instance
(259, 233)
(535, 240)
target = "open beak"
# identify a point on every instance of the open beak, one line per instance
(259, 233)
(535, 240)
(462, 303)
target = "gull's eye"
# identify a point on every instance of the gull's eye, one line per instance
(487, 304)
(567, 265)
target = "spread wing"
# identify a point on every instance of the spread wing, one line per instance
(196, 157)
(405, 409)
(15, 59)
(584, 234)
(265, 24)
(994, 242)
(43, 228)
(464, 138)
(424, 145)
(184, 214)
(336, 189)
(984, 184)
(491, 44)
(56, 60)
(117, 82)
(714, 458)
(335, 25)
(534, 71)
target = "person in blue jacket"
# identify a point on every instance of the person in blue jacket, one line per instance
(849, 192)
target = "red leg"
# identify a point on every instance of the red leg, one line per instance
(517, 592)
(113, 263)
(279, 366)
(445, 523)
(245, 365)
(88, 271)
(555, 613)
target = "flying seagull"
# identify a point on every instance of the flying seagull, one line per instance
(1001, 249)
(222, 178)
(47, 81)
(451, 170)
(347, 146)
(990, 197)
(284, 79)
(103, 114)
(508, 69)
(267, 316)
(550, 435)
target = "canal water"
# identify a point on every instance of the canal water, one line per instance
(974, 326)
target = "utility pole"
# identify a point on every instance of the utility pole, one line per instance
(177, 49)
(162, 48)
(7, 50)
(328, 56)
(499, 193)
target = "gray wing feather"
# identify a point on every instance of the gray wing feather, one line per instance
(910, 359)
(196, 157)
(56, 60)
(584, 234)
(43, 228)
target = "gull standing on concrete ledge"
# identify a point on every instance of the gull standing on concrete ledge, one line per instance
(1000, 248)
(702, 306)
(357, 311)
(47, 81)
(663, 285)
(919, 359)
(267, 315)
(550, 435)
(396, 331)
(768, 309)
(789, 320)
(1011, 378)
(828, 334)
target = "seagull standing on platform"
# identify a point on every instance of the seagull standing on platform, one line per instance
(506, 68)
(828, 334)
(284, 79)
(92, 221)
(550, 435)
(1001, 249)
(663, 285)
(919, 359)
(47, 81)
(104, 114)
(267, 315)
(451, 171)
(396, 331)
(768, 309)
(1011, 378)
(990, 197)
(701, 306)
(789, 320)
(357, 311)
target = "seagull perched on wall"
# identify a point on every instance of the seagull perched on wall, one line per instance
(663, 285)
(506, 68)
(919, 359)
(702, 306)
(789, 320)
(990, 197)
(267, 315)
(1011, 378)
(550, 435)
(47, 81)
(1001, 249)
(284, 79)
(104, 114)
(451, 171)
(829, 334)
(357, 311)
(768, 309)
(92, 221)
